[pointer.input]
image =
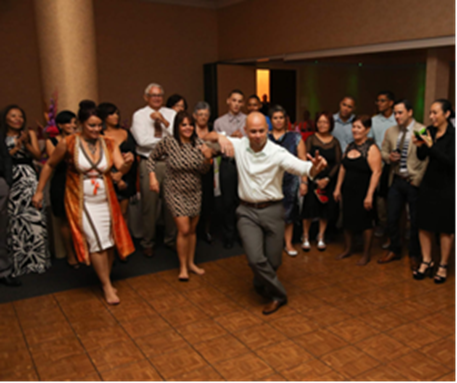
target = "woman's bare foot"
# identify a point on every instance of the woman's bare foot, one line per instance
(364, 260)
(110, 295)
(183, 275)
(197, 270)
(344, 254)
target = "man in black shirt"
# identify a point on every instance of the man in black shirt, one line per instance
(6, 179)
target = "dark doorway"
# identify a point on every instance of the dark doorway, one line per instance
(283, 90)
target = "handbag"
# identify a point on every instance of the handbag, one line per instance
(321, 195)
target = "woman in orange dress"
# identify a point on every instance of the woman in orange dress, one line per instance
(91, 205)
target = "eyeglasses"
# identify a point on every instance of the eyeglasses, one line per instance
(379, 101)
(155, 95)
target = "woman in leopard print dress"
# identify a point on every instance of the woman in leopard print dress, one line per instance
(187, 158)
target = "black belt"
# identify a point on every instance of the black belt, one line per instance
(406, 178)
(259, 205)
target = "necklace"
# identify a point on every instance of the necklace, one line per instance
(92, 145)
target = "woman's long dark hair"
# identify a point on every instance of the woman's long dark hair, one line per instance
(446, 106)
(180, 117)
(106, 109)
(4, 113)
(64, 117)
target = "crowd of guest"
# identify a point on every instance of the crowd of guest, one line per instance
(375, 166)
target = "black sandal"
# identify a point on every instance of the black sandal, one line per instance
(428, 271)
(74, 266)
(438, 278)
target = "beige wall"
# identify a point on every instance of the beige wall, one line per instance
(20, 67)
(140, 42)
(258, 28)
(230, 77)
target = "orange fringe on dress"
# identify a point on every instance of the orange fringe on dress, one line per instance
(74, 199)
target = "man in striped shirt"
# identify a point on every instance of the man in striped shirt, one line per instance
(406, 172)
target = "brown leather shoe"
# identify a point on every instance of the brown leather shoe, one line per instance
(389, 257)
(147, 251)
(273, 306)
(414, 263)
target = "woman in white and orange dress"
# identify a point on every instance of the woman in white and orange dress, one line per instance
(91, 205)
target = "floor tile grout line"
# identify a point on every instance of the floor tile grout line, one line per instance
(133, 339)
(408, 353)
(77, 336)
(174, 330)
(26, 342)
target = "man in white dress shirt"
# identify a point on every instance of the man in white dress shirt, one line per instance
(151, 124)
(261, 165)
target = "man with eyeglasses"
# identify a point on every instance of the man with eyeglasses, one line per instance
(150, 124)
(379, 125)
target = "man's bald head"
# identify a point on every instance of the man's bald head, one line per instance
(256, 119)
(256, 130)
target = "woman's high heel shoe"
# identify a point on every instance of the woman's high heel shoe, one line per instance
(428, 271)
(438, 278)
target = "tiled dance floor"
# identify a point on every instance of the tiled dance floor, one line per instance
(343, 322)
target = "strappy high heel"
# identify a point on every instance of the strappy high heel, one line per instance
(438, 278)
(427, 272)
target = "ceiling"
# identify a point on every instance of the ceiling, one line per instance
(212, 4)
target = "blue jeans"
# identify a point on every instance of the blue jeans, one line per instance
(401, 192)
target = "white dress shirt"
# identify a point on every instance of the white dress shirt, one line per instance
(260, 174)
(143, 128)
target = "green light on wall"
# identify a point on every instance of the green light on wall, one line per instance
(310, 87)
(419, 99)
(353, 83)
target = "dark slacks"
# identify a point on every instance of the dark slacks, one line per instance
(401, 192)
(262, 234)
(6, 262)
(229, 195)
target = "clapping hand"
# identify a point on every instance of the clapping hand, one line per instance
(319, 163)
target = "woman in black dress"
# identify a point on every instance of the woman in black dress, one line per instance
(436, 213)
(66, 122)
(359, 175)
(319, 202)
(124, 183)
(292, 142)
